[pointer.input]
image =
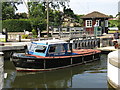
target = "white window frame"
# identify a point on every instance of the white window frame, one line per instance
(97, 22)
(88, 23)
(106, 23)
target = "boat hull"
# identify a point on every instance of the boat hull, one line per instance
(52, 63)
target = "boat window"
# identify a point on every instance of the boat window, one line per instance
(52, 49)
(32, 47)
(40, 49)
(57, 49)
(60, 49)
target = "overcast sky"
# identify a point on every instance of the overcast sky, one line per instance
(109, 7)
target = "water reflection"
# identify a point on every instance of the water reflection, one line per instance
(91, 75)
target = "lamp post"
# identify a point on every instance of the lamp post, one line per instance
(47, 18)
(60, 26)
(47, 8)
(38, 33)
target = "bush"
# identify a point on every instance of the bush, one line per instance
(34, 32)
(38, 23)
(118, 24)
(34, 36)
(24, 36)
(17, 25)
(113, 23)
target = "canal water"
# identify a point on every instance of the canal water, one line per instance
(90, 75)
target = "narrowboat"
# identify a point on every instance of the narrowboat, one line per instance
(53, 54)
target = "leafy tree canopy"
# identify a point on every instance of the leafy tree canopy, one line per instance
(21, 16)
(37, 15)
(8, 9)
(68, 12)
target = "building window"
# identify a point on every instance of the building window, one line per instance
(106, 23)
(88, 23)
(97, 22)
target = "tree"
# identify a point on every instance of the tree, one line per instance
(118, 20)
(111, 16)
(8, 9)
(75, 18)
(55, 18)
(69, 12)
(37, 15)
(40, 10)
(78, 19)
(118, 15)
(21, 16)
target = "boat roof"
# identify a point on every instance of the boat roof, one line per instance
(53, 41)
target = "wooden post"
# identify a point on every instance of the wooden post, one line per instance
(71, 60)
(44, 64)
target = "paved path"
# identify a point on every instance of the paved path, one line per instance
(108, 48)
(13, 46)
(106, 36)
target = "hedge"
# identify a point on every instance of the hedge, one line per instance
(113, 23)
(17, 25)
(119, 24)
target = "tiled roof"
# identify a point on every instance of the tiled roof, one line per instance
(95, 14)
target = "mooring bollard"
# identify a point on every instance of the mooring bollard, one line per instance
(1, 70)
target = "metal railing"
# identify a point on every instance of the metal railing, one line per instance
(87, 43)
(77, 34)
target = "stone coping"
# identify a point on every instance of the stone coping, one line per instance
(117, 87)
(17, 32)
(114, 63)
(114, 58)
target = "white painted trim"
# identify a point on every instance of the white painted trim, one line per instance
(97, 22)
(86, 24)
(106, 23)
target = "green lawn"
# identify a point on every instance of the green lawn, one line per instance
(112, 31)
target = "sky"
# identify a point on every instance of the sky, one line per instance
(108, 7)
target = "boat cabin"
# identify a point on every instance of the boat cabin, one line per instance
(49, 48)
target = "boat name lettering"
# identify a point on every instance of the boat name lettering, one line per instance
(28, 60)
